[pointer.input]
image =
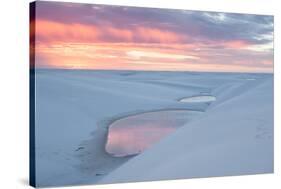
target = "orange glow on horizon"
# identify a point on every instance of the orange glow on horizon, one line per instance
(81, 46)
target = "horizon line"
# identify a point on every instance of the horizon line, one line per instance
(81, 69)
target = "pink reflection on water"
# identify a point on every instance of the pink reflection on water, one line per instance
(133, 134)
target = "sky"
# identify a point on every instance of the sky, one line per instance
(104, 37)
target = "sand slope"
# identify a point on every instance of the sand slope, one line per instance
(235, 137)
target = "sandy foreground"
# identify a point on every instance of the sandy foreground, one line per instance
(233, 136)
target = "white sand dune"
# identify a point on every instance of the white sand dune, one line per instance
(74, 108)
(234, 138)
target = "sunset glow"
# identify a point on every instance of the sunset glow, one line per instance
(84, 36)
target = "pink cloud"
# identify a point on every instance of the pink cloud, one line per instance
(50, 31)
(236, 44)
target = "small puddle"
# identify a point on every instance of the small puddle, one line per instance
(133, 134)
(202, 98)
